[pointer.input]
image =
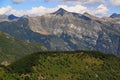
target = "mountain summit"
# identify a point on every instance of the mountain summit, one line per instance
(60, 11)
(11, 17)
(115, 15)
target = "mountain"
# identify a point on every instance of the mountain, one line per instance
(74, 65)
(12, 49)
(67, 31)
(61, 12)
(115, 15)
(3, 18)
(20, 29)
(12, 17)
(8, 17)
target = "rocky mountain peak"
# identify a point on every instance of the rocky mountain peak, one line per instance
(60, 11)
(115, 15)
(11, 17)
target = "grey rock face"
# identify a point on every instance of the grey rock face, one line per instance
(63, 30)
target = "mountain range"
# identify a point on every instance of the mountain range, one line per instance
(66, 31)
(60, 46)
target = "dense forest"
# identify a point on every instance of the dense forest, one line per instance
(71, 65)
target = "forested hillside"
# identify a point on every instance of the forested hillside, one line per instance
(12, 49)
(77, 65)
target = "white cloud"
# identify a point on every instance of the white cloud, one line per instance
(77, 8)
(78, 1)
(101, 9)
(93, 1)
(17, 1)
(5, 10)
(115, 2)
(38, 11)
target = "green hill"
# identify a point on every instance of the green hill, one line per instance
(12, 49)
(78, 65)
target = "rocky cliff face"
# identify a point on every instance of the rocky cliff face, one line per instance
(63, 30)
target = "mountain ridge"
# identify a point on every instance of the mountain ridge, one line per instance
(71, 31)
(115, 15)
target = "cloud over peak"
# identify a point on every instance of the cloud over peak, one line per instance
(38, 11)
(101, 9)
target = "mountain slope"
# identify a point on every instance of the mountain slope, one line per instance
(12, 49)
(79, 65)
(67, 31)
(20, 30)
(80, 31)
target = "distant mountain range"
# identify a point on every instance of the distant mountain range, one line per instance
(66, 31)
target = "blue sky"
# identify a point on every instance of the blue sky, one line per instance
(40, 7)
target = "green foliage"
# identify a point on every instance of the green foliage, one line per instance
(74, 65)
(12, 49)
(26, 66)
